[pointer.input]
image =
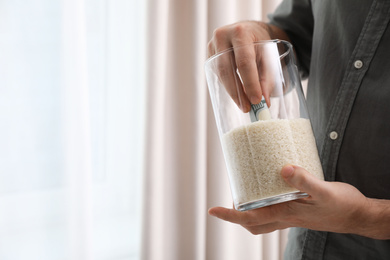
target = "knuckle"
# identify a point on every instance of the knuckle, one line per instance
(244, 62)
(219, 33)
(240, 29)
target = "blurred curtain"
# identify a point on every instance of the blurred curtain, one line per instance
(70, 129)
(184, 171)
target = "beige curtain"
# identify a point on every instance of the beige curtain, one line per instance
(184, 171)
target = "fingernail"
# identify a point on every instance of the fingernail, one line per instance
(287, 171)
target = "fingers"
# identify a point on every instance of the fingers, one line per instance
(219, 42)
(270, 73)
(302, 180)
(258, 221)
(239, 73)
(226, 67)
(245, 58)
(252, 217)
(267, 228)
(226, 214)
(227, 73)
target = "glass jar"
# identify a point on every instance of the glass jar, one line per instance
(258, 143)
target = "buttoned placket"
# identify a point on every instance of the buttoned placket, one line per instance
(362, 55)
(359, 63)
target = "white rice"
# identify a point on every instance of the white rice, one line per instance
(256, 153)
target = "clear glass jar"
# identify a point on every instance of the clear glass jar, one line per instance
(256, 145)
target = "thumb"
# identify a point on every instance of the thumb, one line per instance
(302, 180)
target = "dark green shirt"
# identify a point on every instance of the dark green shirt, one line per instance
(343, 46)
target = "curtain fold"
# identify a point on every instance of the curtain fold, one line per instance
(76, 126)
(184, 170)
(174, 190)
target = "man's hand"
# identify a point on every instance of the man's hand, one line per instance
(331, 206)
(254, 86)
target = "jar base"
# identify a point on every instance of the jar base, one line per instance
(271, 200)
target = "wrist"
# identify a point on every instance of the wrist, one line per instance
(374, 220)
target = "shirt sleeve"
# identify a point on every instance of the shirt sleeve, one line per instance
(295, 17)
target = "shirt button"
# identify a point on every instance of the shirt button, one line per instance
(333, 135)
(358, 64)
